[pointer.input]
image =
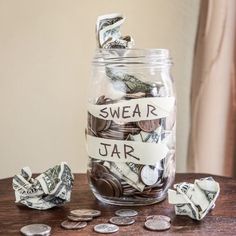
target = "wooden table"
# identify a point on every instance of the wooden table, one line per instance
(220, 221)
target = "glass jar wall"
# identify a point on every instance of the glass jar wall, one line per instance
(131, 124)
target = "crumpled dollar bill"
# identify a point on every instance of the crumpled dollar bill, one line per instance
(194, 200)
(49, 189)
(109, 37)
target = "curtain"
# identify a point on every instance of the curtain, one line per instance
(212, 134)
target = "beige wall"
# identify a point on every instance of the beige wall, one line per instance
(45, 52)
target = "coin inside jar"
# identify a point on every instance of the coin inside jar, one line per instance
(106, 228)
(104, 187)
(149, 176)
(122, 220)
(35, 229)
(157, 225)
(126, 212)
(148, 125)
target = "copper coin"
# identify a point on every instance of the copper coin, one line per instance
(104, 188)
(158, 217)
(73, 225)
(148, 125)
(98, 170)
(85, 212)
(80, 218)
(122, 220)
(115, 182)
(157, 225)
(97, 124)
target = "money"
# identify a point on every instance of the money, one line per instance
(158, 217)
(77, 219)
(122, 220)
(149, 175)
(149, 125)
(157, 225)
(85, 212)
(36, 229)
(194, 200)
(49, 189)
(106, 228)
(73, 225)
(126, 212)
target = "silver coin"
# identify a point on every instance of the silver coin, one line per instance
(149, 176)
(76, 218)
(126, 212)
(106, 228)
(122, 220)
(157, 225)
(67, 224)
(36, 229)
(158, 217)
(85, 212)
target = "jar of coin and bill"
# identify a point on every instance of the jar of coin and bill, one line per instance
(131, 123)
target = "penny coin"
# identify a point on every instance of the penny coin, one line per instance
(106, 228)
(67, 224)
(98, 124)
(149, 176)
(158, 217)
(157, 225)
(98, 170)
(148, 125)
(36, 229)
(85, 212)
(122, 220)
(126, 212)
(76, 218)
(104, 188)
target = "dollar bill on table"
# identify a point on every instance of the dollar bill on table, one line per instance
(194, 200)
(49, 189)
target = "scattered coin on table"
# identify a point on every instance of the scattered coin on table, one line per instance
(122, 220)
(80, 218)
(85, 212)
(67, 224)
(157, 225)
(106, 228)
(126, 212)
(36, 229)
(158, 217)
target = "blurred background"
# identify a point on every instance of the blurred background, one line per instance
(46, 49)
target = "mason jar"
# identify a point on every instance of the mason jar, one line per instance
(131, 122)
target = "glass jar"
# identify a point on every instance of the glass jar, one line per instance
(131, 124)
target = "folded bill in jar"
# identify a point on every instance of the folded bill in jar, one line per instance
(194, 200)
(51, 188)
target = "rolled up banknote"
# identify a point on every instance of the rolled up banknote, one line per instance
(49, 189)
(194, 200)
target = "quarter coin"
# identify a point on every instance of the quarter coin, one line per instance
(148, 125)
(126, 212)
(158, 217)
(67, 224)
(122, 220)
(106, 228)
(149, 176)
(85, 212)
(76, 218)
(158, 225)
(36, 229)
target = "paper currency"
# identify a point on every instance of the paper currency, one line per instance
(194, 200)
(51, 188)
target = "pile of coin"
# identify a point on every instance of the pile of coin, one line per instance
(129, 180)
(77, 219)
(157, 222)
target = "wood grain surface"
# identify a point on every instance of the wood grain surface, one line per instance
(220, 221)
